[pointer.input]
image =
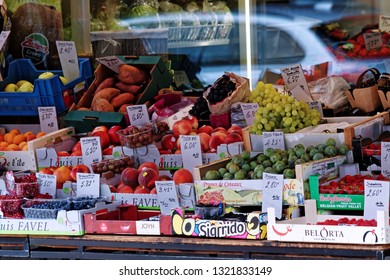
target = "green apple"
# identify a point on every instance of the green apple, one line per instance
(63, 80)
(21, 82)
(46, 75)
(11, 88)
(26, 87)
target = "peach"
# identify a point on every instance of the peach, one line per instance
(219, 128)
(164, 178)
(30, 137)
(178, 144)
(168, 142)
(181, 127)
(40, 134)
(15, 131)
(205, 128)
(204, 141)
(182, 176)
(47, 170)
(76, 147)
(153, 191)
(13, 147)
(19, 138)
(129, 176)
(215, 140)
(78, 168)
(235, 128)
(63, 154)
(233, 137)
(141, 189)
(125, 189)
(76, 154)
(193, 120)
(62, 174)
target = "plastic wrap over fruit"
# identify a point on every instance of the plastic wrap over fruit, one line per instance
(227, 90)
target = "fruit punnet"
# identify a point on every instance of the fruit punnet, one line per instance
(280, 111)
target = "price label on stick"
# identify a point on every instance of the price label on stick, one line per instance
(91, 150)
(372, 40)
(111, 62)
(376, 197)
(293, 76)
(249, 110)
(167, 196)
(191, 151)
(48, 119)
(69, 60)
(47, 183)
(318, 106)
(138, 114)
(88, 184)
(273, 193)
(385, 159)
(273, 139)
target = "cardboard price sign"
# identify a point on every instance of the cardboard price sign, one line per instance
(249, 110)
(111, 62)
(385, 159)
(376, 197)
(191, 151)
(373, 40)
(138, 114)
(293, 77)
(91, 150)
(318, 106)
(48, 119)
(273, 139)
(384, 23)
(167, 196)
(273, 193)
(47, 183)
(88, 184)
(68, 59)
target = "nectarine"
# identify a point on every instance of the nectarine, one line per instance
(233, 137)
(129, 176)
(181, 127)
(168, 142)
(148, 164)
(204, 141)
(205, 128)
(182, 176)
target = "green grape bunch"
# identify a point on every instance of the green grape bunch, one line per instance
(280, 111)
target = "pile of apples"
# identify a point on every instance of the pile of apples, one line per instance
(142, 180)
(108, 140)
(210, 138)
(14, 140)
(27, 86)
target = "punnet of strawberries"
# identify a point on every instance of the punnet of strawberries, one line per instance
(348, 221)
(349, 184)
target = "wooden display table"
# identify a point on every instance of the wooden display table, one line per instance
(14, 246)
(169, 247)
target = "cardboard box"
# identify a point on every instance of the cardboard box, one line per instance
(370, 127)
(160, 78)
(128, 220)
(254, 226)
(305, 229)
(67, 222)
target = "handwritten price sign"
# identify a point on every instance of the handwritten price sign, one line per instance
(249, 110)
(273, 139)
(91, 150)
(316, 105)
(48, 119)
(385, 159)
(273, 193)
(138, 114)
(293, 76)
(69, 60)
(191, 151)
(376, 197)
(111, 62)
(373, 40)
(47, 183)
(167, 196)
(88, 184)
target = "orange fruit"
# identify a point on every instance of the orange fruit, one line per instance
(14, 131)
(13, 147)
(28, 133)
(3, 144)
(30, 137)
(40, 134)
(22, 144)
(25, 148)
(1, 137)
(19, 138)
(9, 137)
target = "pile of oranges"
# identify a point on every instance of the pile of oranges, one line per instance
(14, 140)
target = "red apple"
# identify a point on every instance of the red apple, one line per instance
(129, 176)
(108, 151)
(100, 128)
(153, 191)
(78, 168)
(141, 189)
(113, 189)
(76, 153)
(47, 170)
(147, 177)
(164, 178)
(104, 138)
(148, 164)
(63, 154)
(114, 137)
(216, 139)
(168, 142)
(181, 127)
(76, 147)
(125, 189)
(193, 121)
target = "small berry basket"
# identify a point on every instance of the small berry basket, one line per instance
(11, 206)
(43, 208)
(116, 165)
(23, 185)
(135, 137)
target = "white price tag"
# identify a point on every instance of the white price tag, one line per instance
(69, 60)
(318, 106)
(384, 23)
(376, 197)
(111, 62)
(273, 139)
(293, 76)
(47, 183)
(88, 184)
(191, 151)
(372, 40)
(91, 150)
(48, 119)
(167, 196)
(249, 110)
(3, 38)
(138, 114)
(385, 159)
(272, 193)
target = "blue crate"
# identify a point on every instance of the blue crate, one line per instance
(47, 92)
